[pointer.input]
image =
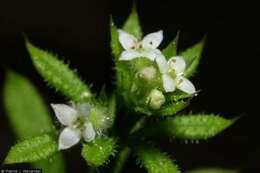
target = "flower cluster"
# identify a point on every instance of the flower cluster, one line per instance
(172, 71)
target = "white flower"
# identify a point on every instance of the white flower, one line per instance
(172, 74)
(75, 120)
(145, 48)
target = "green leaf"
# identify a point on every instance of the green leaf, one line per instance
(155, 161)
(171, 49)
(97, 153)
(23, 106)
(132, 24)
(173, 108)
(190, 127)
(124, 81)
(179, 95)
(58, 74)
(31, 150)
(212, 170)
(192, 58)
(114, 42)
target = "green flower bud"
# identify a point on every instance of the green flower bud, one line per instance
(99, 118)
(148, 73)
(155, 99)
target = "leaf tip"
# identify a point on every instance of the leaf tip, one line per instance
(111, 21)
(28, 45)
(7, 161)
(234, 120)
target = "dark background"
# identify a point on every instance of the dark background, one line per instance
(78, 31)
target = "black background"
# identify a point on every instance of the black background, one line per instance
(78, 31)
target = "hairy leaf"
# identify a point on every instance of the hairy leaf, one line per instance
(24, 105)
(179, 95)
(97, 153)
(192, 57)
(132, 24)
(114, 42)
(212, 170)
(58, 74)
(155, 161)
(124, 80)
(171, 49)
(190, 127)
(31, 150)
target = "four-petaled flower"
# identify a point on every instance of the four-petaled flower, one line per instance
(135, 48)
(173, 74)
(76, 120)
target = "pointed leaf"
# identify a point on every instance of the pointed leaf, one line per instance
(198, 126)
(102, 96)
(23, 106)
(190, 127)
(58, 74)
(132, 24)
(155, 161)
(97, 153)
(192, 58)
(171, 49)
(33, 149)
(179, 95)
(212, 170)
(114, 42)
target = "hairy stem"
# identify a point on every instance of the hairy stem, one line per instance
(125, 151)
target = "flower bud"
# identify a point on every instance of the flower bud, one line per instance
(99, 118)
(148, 73)
(155, 99)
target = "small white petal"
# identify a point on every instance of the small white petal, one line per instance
(151, 54)
(89, 133)
(84, 109)
(68, 138)
(162, 64)
(127, 40)
(178, 64)
(152, 40)
(65, 114)
(129, 55)
(185, 85)
(168, 83)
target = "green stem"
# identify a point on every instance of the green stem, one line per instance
(120, 162)
(125, 151)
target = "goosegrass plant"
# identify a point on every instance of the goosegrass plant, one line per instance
(152, 87)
